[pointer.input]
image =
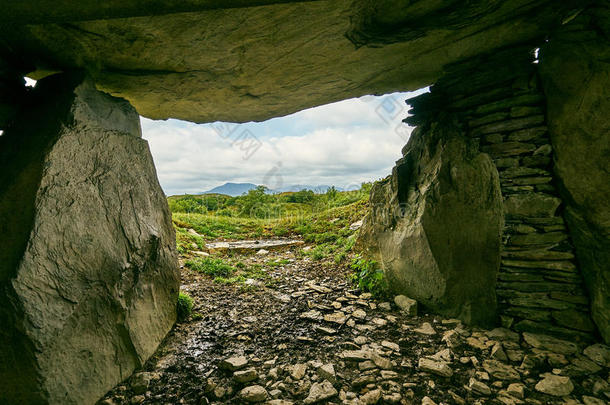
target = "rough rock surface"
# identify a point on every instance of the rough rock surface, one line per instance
(88, 271)
(240, 60)
(435, 224)
(576, 77)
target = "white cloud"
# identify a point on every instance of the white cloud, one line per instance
(338, 144)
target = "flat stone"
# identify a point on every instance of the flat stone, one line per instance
(510, 125)
(297, 371)
(598, 353)
(359, 314)
(440, 368)
(327, 372)
(233, 363)
(573, 319)
(254, 393)
(516, 390)
(538, 254)
(425, 329)
(370, 398)
(326, 331)
(356, 355)
(531, 205)
(336, 317)
(390, 345)
(320, 392)
(140, 381)
(427, 401)
(587, 400)
(500, 370)
(507, 149)
(550, 343)
(479, 387)
(537, 239)
(406, 304)
(244, 376)
(555, 385)
(313, 315)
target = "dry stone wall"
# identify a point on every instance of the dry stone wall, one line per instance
(498, 102)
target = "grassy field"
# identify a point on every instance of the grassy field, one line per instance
(322, 221)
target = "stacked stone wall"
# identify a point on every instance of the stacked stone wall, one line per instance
(497, 100)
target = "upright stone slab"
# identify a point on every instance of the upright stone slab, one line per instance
(435, 224)
(88, 272)
(576, 76)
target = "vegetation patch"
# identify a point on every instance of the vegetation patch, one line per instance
(369, 277)
(210, 266)
(185, 306)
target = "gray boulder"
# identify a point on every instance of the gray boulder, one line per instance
(88, 269)
(435, 225)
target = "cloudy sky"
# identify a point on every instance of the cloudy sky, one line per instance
(341, 144)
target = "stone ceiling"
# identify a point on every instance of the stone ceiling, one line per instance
(243, 60)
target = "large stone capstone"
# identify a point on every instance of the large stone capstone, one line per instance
(436, 223)
(576, 76)
(242, 60)
(88, 272)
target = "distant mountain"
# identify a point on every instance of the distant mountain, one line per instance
(232, 189)
(237, 189)
(319, 189)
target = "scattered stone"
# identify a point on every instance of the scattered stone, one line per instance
(244, 376)
(233, 363)
(325, 330)
(498, 353)
(587, 400)
(371, 397)
(327, 372)
(427, 401)
(385, 306)
(408, 305)
(355, 226)
(262, 252)
(320, 392)
(598, 353)
(550, 343)
(435, 367)
(555, 385)
(390, 345)
(313, 315)
(500, 370)
(254, 393)
(479, 387)
(336, 317)
(359, 314)
(426, 329)
(140, 382)
(516, 390)
(297, 371)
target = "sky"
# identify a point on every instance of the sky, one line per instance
(341, 144)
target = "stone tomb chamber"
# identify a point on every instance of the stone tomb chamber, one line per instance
(497, 213)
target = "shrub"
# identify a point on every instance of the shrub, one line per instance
(368, 276)
(185, 306)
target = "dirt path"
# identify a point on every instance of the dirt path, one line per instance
(308, 337)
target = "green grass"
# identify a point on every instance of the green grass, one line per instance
(185, 306)
(211, 266)
(369, 277)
